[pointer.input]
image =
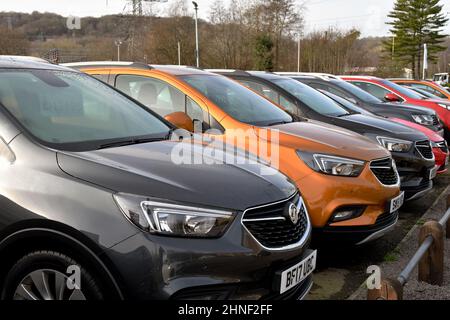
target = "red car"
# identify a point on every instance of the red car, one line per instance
(392, 92)
(440, 147)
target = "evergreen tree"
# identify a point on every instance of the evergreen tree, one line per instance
(415, 23)
(264, 53)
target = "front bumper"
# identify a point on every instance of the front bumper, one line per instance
(441, 160)
(325, 194)
(234, 266)
(414, 171)
(358, 235)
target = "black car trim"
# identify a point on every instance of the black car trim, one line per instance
(296, 245)
(5, 242)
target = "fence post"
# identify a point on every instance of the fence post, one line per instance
(431, 266)
(390, 290)
(448, 221)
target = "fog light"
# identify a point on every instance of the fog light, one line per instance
(347, 213)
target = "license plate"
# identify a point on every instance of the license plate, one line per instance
(397, 203)
(296, 274)
(447, 158)
(433, 173)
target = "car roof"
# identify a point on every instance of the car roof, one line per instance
(360, 77)
(23, 62)
(171, 69)
(258, 74)
(310, 75)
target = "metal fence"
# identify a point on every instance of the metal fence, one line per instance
(429, 257)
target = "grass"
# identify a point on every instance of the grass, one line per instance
(392, 256)
(421, 222)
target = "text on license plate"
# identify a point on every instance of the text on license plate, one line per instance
(397, 203)
(296, 274)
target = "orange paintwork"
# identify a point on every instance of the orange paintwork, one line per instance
(323, 194)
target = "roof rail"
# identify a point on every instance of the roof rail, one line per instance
(229, 71)
(96, 64)
(323, 76)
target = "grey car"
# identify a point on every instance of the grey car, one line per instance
(93, 207)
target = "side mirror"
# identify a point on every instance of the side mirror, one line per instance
(181, 120)
(391, 97)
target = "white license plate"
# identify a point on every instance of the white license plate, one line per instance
(433, 173)
(296, 274)
(397, 203)
(447, 160)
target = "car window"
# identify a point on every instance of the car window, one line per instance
(236, 100)
(333, 90)
(72, 111)
(404, 91)
(429, 89)
(262, 89)
(373, 89)
(157, 95)
(351, 89)
(271, 94)
(310, 97)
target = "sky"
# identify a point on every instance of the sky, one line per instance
(369, 16)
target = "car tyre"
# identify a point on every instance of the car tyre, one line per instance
(49, 275)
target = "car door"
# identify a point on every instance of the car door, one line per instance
(166, 100)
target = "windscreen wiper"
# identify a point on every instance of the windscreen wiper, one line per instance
(277, 123)
(129, 142)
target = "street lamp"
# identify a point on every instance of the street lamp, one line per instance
(118, 43)
(197, 53)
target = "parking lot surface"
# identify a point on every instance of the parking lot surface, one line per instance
(342, 270)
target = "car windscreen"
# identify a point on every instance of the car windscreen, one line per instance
(349, 106)
(425, 93)
(357, 92)
(311, 97)
(237, 101)
(72, 111)
(404, 91)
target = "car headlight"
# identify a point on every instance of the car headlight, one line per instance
(423, 119)
(445, 106)
(173, 219)
(333, 165)
(395, 145)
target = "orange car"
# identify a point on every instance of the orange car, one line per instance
(429, 86)
(350, 184)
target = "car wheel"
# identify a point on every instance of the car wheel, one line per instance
(49, 275)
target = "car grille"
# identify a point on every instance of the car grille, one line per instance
(424, 148)
(386, 219)
(443, 146)
(385, 171)
(435, 120)
(272, 227)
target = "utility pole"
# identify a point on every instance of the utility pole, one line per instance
(425, 61)
(197, 52)
(299, 51)
(179, 53)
